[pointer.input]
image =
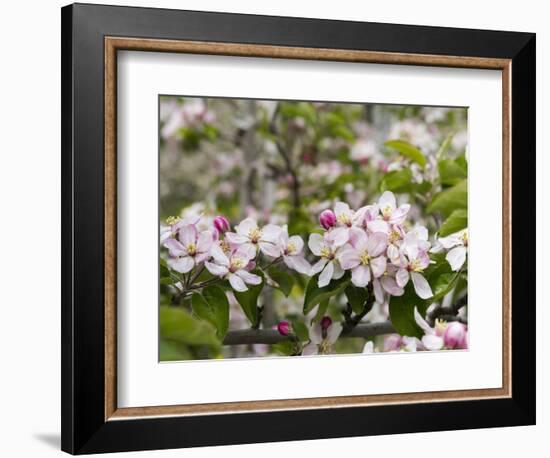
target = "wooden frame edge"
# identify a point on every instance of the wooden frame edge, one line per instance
(112, 45)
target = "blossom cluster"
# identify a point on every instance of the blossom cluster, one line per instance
(375, 246)
(230, 255)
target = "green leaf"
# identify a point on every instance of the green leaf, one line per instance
(440, 277)
(397, 181)
(357, 297)
(450, 173)
(314, 295)
(456, 221)
(322, 310)
(179, 325)
(285, 348)
(172, 351)
(212, 305)
(300, 330)
(284, 280)
(451, 199)
(248, 300)
(445, 145)
(402, 312)
(407, 150)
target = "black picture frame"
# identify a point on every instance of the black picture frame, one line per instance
(84, 428)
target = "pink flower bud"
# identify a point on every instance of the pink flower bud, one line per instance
(456, 335)
(327, 218)
(284, 328)
(221, 224)
(326, 322)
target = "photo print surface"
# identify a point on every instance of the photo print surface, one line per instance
(296, 228)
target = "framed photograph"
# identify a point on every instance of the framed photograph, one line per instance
(281, 229)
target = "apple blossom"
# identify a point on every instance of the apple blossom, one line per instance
(389, 210)
(433, 337)
(328, 264)
(345, 220)
(363, 256)
(457, 246)
(233, 266)
(291, 251)
(322, 337)
(190, 248)
(412, 262)
(248, 233)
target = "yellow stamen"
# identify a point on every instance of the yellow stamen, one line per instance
(255, 235)
(171, 220)
(364, 258)
(191, 249)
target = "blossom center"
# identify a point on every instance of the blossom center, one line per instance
(255, 235)
(464, 238)
(344, 219)
(324, 347)
(236, 264)
(415, 266)
(386, 212)
(290, 248)
(394, 236)
(364, 258)
(191, 249)
(225, 246)
(171, 220)
(327, 253)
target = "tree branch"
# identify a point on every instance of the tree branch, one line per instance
(449, 313)
(272, 336)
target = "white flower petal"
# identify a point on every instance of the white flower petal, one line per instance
(432, 342)
(315, 333)
(326, 275)
(251, 279)
(237, 283)
(421, 286)
(316, 243)
(402, 277)
(333, 332)
(360, 276)
(456, 257)
(182, 265)
(216, 269)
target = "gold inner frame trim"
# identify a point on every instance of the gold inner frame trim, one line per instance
(114, 44)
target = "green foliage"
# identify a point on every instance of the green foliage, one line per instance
(212, 305)
(180, 326)
(456, 221)
(300, 330)
(314, 295)
(407, 150)
(357, 297)
(285, 348)
(173, 351)
(440, 277)
(397, 181)
(451, 199)
(248, 300)
(402, 312)
(284, 280)
(450, 172)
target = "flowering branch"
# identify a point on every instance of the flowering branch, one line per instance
(272, 336)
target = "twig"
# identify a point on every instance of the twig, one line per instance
(272, 336)
(449, 312)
